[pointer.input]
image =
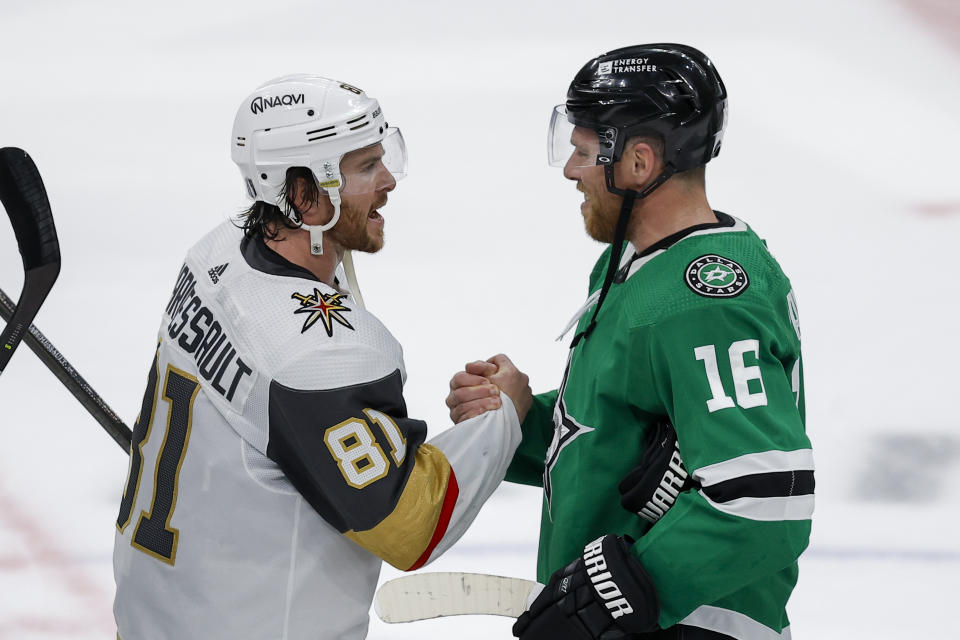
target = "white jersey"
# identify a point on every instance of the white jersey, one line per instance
(273, 463)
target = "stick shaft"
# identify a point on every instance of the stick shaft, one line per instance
(71, 379)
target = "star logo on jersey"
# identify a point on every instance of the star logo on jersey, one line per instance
(714, 276)
(565, 430)
(723, 274)
(327, 307)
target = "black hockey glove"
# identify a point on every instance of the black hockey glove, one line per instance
(651, 488)
(605, 594)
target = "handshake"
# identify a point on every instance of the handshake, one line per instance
(477, 388)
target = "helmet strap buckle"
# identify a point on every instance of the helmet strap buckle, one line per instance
(316, 230)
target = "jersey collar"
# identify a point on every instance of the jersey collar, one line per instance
(724, 224)
(262, 258)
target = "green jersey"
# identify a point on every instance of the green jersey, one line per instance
(702, 330)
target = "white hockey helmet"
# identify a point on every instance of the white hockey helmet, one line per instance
(308, 121)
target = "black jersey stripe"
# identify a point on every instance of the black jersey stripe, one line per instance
(299, 423)
(762, 485)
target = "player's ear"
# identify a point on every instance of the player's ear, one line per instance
(639, 164)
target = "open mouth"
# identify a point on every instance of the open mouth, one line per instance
(374, 215)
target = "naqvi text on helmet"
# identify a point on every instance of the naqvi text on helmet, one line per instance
(260, 103)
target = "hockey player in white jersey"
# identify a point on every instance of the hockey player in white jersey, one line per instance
(273, 463)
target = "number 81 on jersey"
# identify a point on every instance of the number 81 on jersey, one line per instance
(360, 459)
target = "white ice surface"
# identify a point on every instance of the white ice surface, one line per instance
(841, 150)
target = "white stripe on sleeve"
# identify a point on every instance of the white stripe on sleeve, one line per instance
(753, 463)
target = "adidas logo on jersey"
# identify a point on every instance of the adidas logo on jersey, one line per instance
(216, 272)
(606, 588)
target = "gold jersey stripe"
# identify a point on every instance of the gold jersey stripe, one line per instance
(403, 536)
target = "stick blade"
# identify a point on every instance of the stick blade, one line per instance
(421, 596)
(25, 199)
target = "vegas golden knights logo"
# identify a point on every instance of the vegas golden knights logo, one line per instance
(322, 306)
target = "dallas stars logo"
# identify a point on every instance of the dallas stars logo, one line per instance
(565, 430)
(322, 306)
(714, 276)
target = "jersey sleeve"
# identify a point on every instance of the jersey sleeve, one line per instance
(527, 464)
(363, 464)
(728, 378)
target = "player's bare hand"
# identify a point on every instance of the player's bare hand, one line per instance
(471, 393)
(512, 382)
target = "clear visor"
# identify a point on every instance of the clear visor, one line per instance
(395, 153)
(559, 147)
(376, 167)
(569, 145)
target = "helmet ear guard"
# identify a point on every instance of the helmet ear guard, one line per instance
(332, 187)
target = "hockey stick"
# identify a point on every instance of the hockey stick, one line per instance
(25, 199)
(421, 596)
(71, 379)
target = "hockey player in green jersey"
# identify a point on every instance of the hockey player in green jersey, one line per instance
(677, 474)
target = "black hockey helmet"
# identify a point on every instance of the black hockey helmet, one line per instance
(671, 90)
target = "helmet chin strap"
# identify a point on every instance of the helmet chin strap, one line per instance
(619, 235)
(316, 230)
(351, 274)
